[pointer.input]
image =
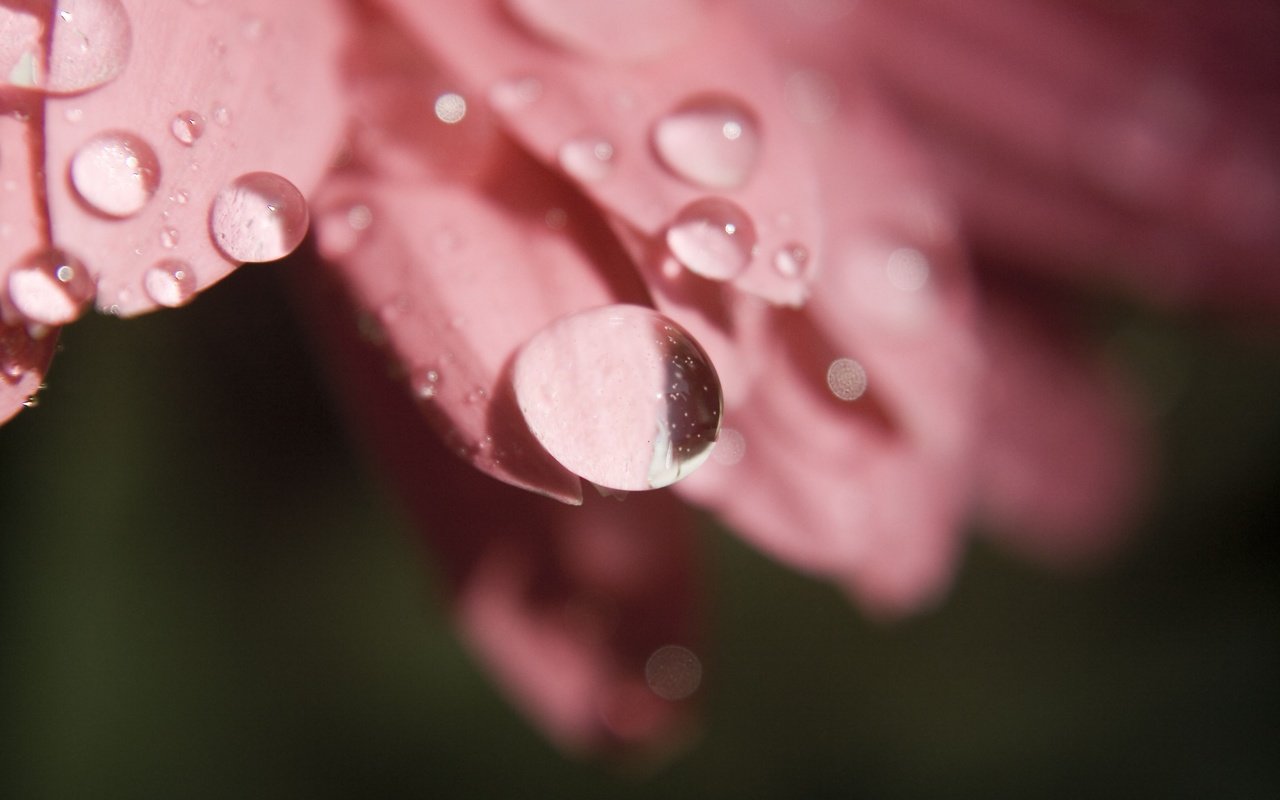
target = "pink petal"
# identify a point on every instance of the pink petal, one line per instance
(209, 93)
(24, 358)
(1060, 471)
(594, 118)
(577, 610)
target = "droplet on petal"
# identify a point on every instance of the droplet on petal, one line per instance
(88, 45)
(712, 142)
(170, 283)
(673, 672)
(260, 216)
(589, 159)
(116, 173)
(621, 396)
(426, 384)
(187, 126)
(792, 260)
(51, 288)
(846, 379)
(712, 237)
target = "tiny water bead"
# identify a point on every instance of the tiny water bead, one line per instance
(713, 238)
(712, 142)
(170, 283)
(259, 216)
(426, 384)
(51, 288)
(116, 173)
(792, 260)
(187, 126)
(588, 159)
(846, 379)
(450, 108)
(620, 395)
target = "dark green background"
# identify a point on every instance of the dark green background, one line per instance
(207, 594)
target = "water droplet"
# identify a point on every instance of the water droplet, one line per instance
(907, 269)
(87, 46)
(222, 115)
(170, 283)
(169, 238)
(515, 94)
(180, 197)
(711, 141)
(620, 395)
(426, 384)
(846, 379)
(673, 672)
(713, 238)
(451, 108)
(260, 216)
(588, 159)
(116, 173)
(51, 288)
(73, 115)
(187, 126)
(792, 260)
(31, 401)
(340, 230)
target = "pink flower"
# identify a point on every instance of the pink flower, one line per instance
(838, 222)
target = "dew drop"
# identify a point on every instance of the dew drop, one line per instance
(710, 141)
(222, 115)
(426, 384)
(792, 260)
(187, 126)
(170, 283)
(713, 238)
(620, 395)
(846, 379)
(673, 672)
(116, 173)
(588, 159)
(450, 108)
(169, 238)
(51, 288)
(259, 216)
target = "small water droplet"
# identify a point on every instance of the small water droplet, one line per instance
(116, 173)
(426, 384)
(846, 379)
(260, 216)
(515, 94)
(673, 672)
(51, 288)
(180, 197)
(713, 238)
(187, 126)
(73, 115)
(620, 395)
(710, 141)
(169, 238)
(588, 159)
(31, 401)
(792, 260)
(222, 115)
(170, 283)
(450, 108)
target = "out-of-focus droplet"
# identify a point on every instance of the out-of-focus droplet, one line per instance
(673, 672)
(711, 141)
(792, 260)
(621, 396)
(713, 238)
(51, 288)
(340, 230)
(116, 173)
(846, 379)
(515, 94)
(589, 159)
(169, 238)
(907, 269)
(619, 30)
(222, 115)
(450, 108)
(170, 283)
(187, 126)
(426, 384)
(260, 216)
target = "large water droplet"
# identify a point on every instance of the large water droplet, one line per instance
(712, 237)
(588, 159)
(170, 283)
(450, 108)
(792, 260)
(87, 42)
(620, 395)
(187, 126)
(51, 288)
(116, 173)
(260, 216)
(710, 141)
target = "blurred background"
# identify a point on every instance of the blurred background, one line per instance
(207, 593)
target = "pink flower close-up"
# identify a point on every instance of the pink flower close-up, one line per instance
(581, 272)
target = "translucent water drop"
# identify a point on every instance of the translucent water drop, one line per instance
(673, 672)
(187, 126)
(260, 216)
(713, 238)
(222, 115)
(620, 395)
(711, 141)
(426, 384)
(170, 283)
(846, 379)
(589, 159)
(51, 288)
(792, 260)
(169, 238)
(116, 173)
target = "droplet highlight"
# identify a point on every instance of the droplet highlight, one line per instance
(713, 238)
(588, 159)
(260, 216)
(187, 126)
(620, 395)
(450, 108)
(712, 142)
(115, 173)
(170, 283)
(51, 288)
